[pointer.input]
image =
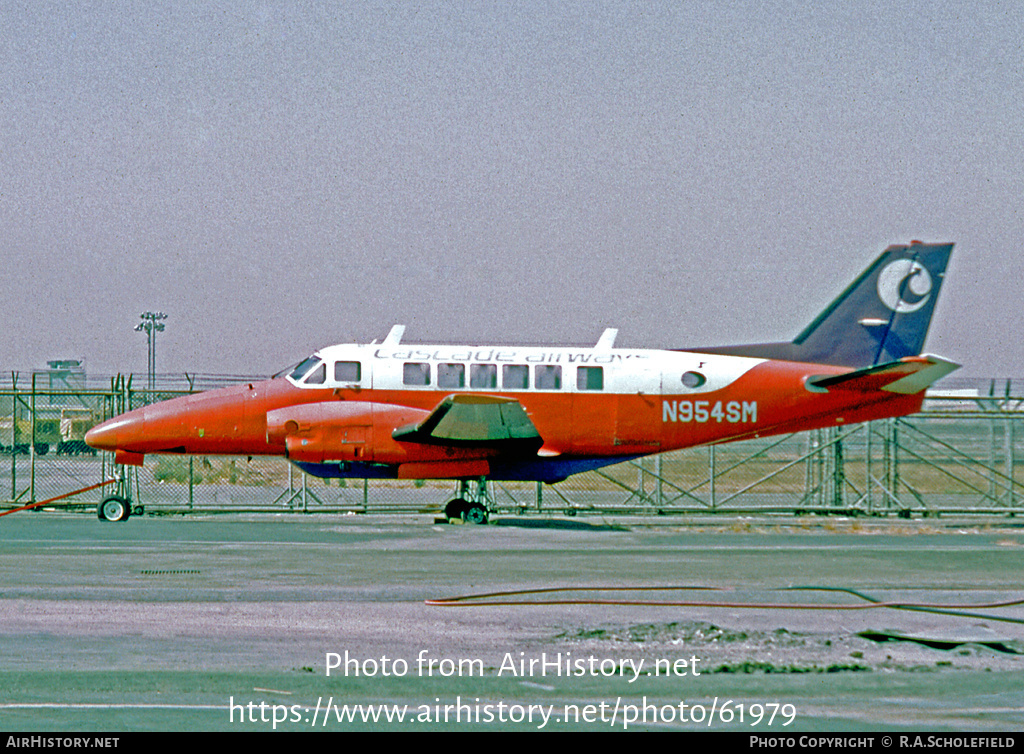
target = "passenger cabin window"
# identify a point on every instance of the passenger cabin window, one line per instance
(484, 376)
(547, 377)
(451, 375)
(318, 376)
(416, 373)
(590, 378)
(347, 371)
(515, 377)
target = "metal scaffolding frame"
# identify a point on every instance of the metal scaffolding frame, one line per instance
(959, 456)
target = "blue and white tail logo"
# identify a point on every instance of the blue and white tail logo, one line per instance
(904, 286)
(883, 316)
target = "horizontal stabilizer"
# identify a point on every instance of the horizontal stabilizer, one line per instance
(907, 376)
(474, 420)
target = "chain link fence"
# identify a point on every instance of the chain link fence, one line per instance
(959, 456)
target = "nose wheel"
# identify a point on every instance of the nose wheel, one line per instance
(471, 506)
(114, 508)
(118, 507)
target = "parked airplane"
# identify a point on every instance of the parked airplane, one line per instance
(477, 413)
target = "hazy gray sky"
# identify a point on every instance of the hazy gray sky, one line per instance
(282, 176)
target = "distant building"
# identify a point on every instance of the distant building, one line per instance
(63, 374)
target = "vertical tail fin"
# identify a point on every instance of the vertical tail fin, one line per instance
(881, 317)
(884, 315)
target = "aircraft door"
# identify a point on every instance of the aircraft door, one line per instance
(638, 410)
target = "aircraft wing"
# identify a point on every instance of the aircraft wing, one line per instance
(907, 376)
(464, 420)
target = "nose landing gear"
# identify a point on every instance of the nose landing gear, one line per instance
(114, 508)
(118, 507)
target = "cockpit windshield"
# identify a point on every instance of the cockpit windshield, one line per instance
(303, 369)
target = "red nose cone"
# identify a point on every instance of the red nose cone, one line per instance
(115, 433)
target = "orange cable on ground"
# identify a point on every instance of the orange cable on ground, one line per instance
(492, 599)
(59, 497)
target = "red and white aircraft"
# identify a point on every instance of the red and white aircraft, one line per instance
(476, 413)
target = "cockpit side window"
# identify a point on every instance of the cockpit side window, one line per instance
(318, 376)
(300, 371)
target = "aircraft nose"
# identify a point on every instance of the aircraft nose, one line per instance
(114, 433)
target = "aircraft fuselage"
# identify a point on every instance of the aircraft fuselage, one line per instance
(542, 413)
(591, 406)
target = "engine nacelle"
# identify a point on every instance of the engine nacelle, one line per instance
(338, 430)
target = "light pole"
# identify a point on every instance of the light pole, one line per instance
(151, 324)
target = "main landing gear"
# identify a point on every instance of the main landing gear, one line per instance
(118, 507)
(470, 507)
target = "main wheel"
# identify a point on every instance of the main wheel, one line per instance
(455, 508)
(113, 508)
(475, 514)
